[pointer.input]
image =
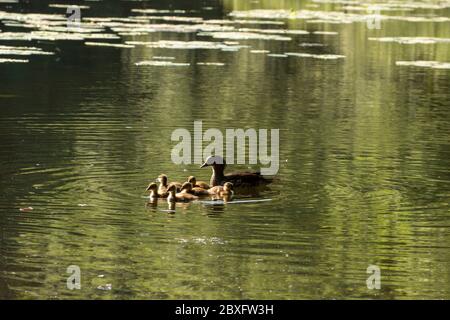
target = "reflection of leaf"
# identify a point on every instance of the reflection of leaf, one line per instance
(343, 191)
(388, 196)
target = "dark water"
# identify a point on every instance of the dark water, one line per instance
(363, 180)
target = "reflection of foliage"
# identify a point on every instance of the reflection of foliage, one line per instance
(365, 182)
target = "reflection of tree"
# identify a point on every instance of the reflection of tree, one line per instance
(366, 145)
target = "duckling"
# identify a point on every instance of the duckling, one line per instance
(239, 179)
(153, 188)
(162, 189)
(187, 188)
(199, 191)
(215, 190)
(198, 184)
(225, 190)
(163, 185)
(172, 189)
(178, 185)
(179, 197)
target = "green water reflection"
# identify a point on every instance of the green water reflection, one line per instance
(363, 180)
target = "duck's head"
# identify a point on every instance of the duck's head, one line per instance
(152, 187)
(215, 162)
(228, 186)
(192, 180)
(172, 188)
(162, 178)
(186, 186)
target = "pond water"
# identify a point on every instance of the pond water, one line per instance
(364, 151)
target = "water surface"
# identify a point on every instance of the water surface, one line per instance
(364, 163)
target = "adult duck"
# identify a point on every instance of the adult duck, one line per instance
(239, 179)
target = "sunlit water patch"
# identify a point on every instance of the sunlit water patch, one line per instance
(411, 40)
(244, 36)
(331, 17)
(184, 45)
(315, 56)
(22, 51)
(2, 60)
(108, 44)
(162, 63)
(65, 6)
(424, 64)
(277, 55)
(215, 64)
(310, 44)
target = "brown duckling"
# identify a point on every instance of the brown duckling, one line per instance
(215, 190)
(225, 190)
(163, 185)
(239, 179)
(162, 189)
(187, 188)
(153, 188)
(178, 185)
(198, 184)
(178, 197)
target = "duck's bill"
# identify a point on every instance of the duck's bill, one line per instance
(204, 165)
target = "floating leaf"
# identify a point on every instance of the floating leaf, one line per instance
(311, 44)
(210, 64)
(244, 36)
(315, 56)
(22, 51)
(411, 40)
(161, 63)
(425, 64)
(172, 44)
(65, 6)
(277, 55)
(106, 44)
(13, 61)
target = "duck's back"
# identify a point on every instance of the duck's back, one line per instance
(246, 179)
